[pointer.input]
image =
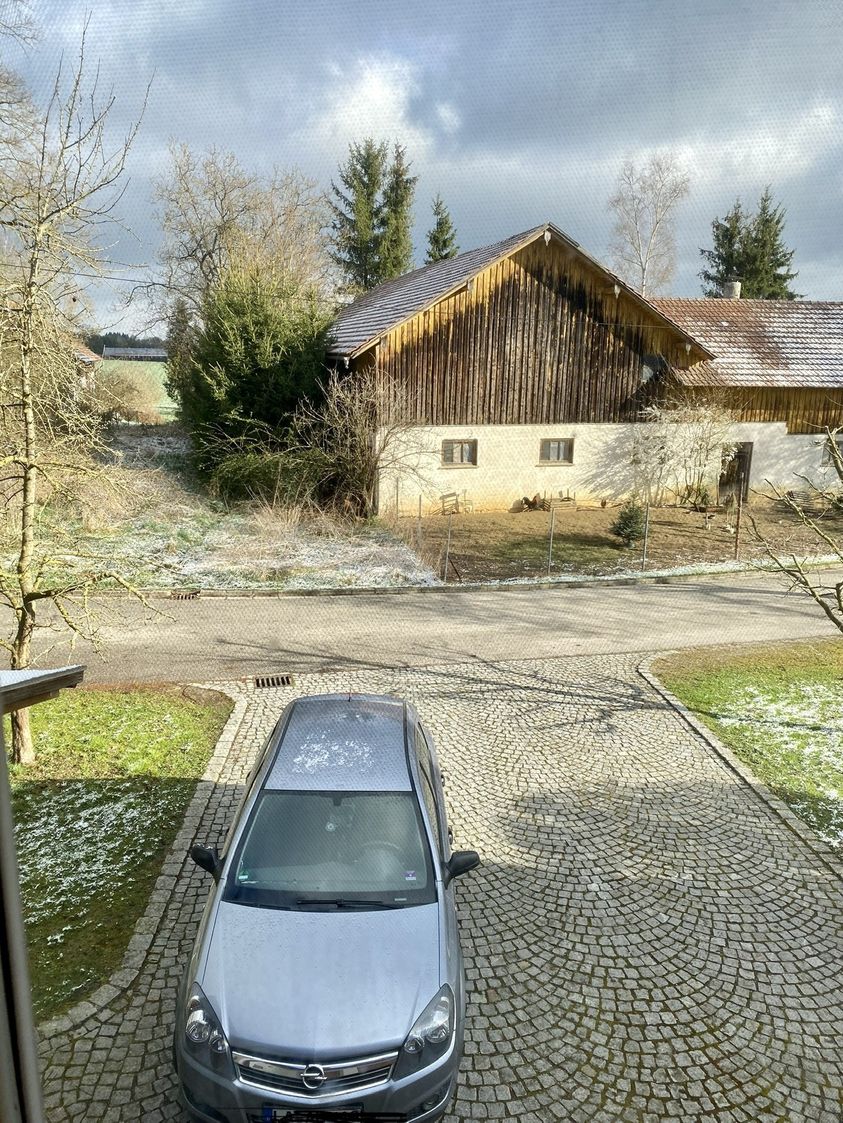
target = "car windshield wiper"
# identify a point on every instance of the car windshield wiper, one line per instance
(345, 903)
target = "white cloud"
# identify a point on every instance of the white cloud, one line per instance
(448, 116)
(770, 149)
(369, 97)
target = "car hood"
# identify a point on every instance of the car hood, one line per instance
(314, 985)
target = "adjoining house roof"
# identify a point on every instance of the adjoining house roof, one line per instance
(85, 354)
(763, 343)
(362, 322)
(155, 354)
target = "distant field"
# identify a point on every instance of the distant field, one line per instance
(143, 371)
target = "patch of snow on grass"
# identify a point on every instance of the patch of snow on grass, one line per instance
(805, 721)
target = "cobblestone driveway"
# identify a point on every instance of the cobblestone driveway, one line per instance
(645, 940)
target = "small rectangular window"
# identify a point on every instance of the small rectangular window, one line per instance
(651, 365)
(459, 452)
(557, 450)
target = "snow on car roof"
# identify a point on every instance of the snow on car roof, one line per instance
(342, 742)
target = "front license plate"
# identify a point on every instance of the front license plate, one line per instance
(275, 1114)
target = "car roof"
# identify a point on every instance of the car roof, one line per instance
(342, 742)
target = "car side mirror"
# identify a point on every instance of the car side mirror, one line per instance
(460, 862)
(207, 858)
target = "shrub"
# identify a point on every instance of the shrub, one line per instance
(285, 477)
(629, 525)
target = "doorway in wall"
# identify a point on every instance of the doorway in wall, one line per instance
(734, 479)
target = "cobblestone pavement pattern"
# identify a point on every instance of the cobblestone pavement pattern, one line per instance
(645, 940)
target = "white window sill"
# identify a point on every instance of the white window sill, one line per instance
(555, 464)
(450, 466)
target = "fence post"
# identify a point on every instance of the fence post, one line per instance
(550, 547)
(447, 549)
(738, 528)
(646, 536)
(419, 529)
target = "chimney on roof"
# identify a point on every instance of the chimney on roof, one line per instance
(731, 290)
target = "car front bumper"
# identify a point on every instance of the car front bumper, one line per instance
(216, 1098)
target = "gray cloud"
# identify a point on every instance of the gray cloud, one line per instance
(515, 113)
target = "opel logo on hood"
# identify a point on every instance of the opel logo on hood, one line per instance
(313, 1077)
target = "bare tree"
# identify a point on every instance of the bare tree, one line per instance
(365, 431)
(214, 213)
(17, 22)
(58, 188)
(818, 507)
(643, 246)
(680, 448)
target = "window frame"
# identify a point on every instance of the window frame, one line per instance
(653, 363)
(545, 461)
(462, 442)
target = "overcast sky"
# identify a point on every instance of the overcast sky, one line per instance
(516, 112)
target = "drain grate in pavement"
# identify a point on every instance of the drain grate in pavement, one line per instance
(185, 594)
(266, 682)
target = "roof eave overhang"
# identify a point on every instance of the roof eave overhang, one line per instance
(20, 689)
(540, 232)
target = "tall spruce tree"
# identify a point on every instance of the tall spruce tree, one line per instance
(749, 248)
(768, 259)
(358, 215)
(373, 215)
(396, 248)
(442, 238)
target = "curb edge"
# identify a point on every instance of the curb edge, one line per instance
(821, 850)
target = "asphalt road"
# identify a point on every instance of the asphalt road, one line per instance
(237, 637)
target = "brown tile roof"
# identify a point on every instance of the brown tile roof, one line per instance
(383, 308)
(389, 304)
(776, 343)
(85, 354)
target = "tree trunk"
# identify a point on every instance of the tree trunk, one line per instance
(23, 751)
(22, 748)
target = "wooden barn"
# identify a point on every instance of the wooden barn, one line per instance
(525, 367)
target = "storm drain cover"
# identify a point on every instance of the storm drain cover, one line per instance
(184, 594)
(265, 682)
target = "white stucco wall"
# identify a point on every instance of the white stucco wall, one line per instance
(508, 464)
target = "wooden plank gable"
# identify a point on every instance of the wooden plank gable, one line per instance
(537, 336)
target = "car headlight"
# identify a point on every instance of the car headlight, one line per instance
(202, 1026)
(434, 1027)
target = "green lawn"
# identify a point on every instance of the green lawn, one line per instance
(780, 710)
(95, 817)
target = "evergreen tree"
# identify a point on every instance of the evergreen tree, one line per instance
(396, 248)
(259, 351)
(749, 248)
(767, 258)
(629, 525)
(442, 238)
(727, 257)
(358, 215)
(180, 337)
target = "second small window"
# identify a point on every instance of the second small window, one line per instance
(557, 450)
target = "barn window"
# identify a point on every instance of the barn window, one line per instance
(557, 450)
(457, 454)
(651, 365)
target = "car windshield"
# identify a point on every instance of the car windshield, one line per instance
(304, 849)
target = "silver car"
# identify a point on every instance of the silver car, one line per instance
(327, 978)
